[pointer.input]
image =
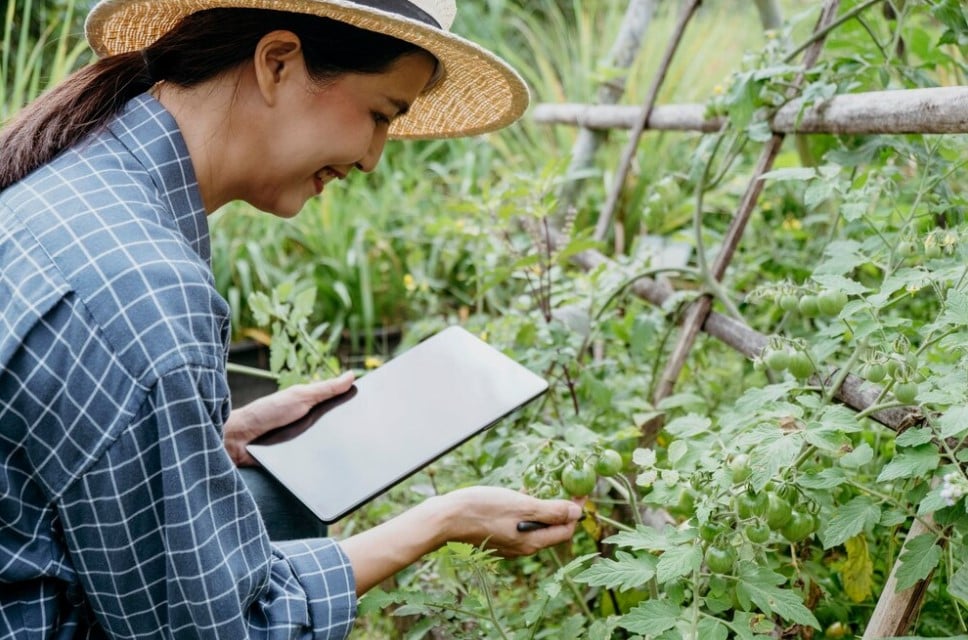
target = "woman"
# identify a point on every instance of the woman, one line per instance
(123, 513)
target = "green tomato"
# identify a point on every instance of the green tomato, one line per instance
(532, 478)
(608, 463)
(831, 302)
(743, 503)
(778, 511)
(800, 365)
(836, 630)
(578, 479)
(788, 302)
(739, 468)
(709, 531)
(809, 306)
(757, 532)
(777, 359)
(906, 392)
(932, 250)
(906, 248)
(875, 372)
(799, 527)
(719, 559)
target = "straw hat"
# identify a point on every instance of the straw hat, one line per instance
(478, 92)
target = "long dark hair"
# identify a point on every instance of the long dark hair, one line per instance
(200, 47)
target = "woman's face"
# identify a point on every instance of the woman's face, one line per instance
(321, 133)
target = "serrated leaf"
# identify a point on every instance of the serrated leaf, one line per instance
(676, 450)
(642, 539)
(625, 572)
(652, 617)
(918, 559)
(849, 520)
(688, 426)
(954, 422)
(677, 562)
(860, 456)
(932, 502)
(911, 463)
(759, 585)
(914, 437)
(712, 629)
(857, 572)
(825, 479)
(958, 584)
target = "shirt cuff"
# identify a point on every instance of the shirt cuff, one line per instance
(327, 577)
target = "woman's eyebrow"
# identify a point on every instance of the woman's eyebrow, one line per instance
(402, 106)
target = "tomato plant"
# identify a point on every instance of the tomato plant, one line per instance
(578, 478)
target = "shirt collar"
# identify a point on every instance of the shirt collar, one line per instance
(152, 136)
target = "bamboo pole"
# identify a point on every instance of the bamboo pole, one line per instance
(855, 392)
(897, 610)
(770, 14)
(624, 50)
(608, 209)
(699, 310)
(935, 110)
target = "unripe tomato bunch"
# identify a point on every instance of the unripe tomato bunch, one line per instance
(939, 242)
(810, 303)
(758, 517)
(575, 473)
(899, 368)
(784, 355)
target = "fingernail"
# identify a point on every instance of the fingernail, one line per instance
(573, 511)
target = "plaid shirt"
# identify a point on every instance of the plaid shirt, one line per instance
(121, 515)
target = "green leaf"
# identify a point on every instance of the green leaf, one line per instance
(625, 572)
(825, 479)
(918, 559)
(958, 584)
(914, 437)
(860, 456)
(760, 585)
(678, 561)
(954, 422)
(712, 629)
(793, 173)
(914, 462)
(643, 539)
(652, 617)
(849, 520)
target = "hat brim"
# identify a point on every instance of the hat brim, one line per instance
(477, 93)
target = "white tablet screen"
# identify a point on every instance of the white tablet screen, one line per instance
(394, 421)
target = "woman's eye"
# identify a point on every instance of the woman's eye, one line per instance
(380, 118)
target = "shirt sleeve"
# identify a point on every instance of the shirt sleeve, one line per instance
(168, 542)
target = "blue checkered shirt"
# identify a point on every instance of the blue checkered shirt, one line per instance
(121, 515)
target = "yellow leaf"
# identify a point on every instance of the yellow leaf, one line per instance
(858, 570)
(590, 523)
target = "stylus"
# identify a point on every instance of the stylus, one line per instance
(531, 525)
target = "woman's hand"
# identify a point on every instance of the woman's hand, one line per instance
(476, 515)
(275, 410)
(490, 516)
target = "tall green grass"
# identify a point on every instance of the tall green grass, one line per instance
(31, 61)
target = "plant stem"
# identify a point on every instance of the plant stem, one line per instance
(485, 587)
(821, 33)
(572, 586)
(233, 367)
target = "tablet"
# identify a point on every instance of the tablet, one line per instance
(394, 421)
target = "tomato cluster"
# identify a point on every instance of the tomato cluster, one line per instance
(577, 475)
(783, 357)
(759, 517)
(901, 368)
(812, 304)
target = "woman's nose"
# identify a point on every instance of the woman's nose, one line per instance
(372, 158)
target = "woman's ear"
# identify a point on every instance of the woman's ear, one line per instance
(277, 59)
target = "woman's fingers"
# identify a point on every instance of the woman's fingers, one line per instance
(276, 410)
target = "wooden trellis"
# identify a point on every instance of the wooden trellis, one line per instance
(926, 111)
